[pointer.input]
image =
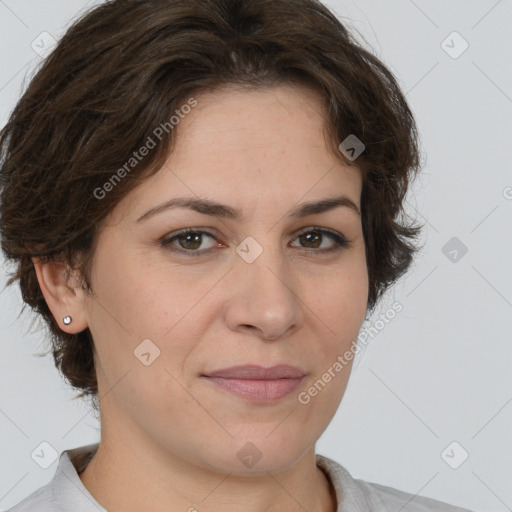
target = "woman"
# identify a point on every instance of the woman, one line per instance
(202, 200)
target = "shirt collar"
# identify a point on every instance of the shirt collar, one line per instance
(68, 491)
(349, 495)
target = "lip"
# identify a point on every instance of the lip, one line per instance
(255, 372)
(256, 383)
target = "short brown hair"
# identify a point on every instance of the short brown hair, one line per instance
(124, 68)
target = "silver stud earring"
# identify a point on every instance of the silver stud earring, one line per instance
(67, 320)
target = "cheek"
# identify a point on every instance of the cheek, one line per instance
(137, 302)
(145, 299)
(340, 298)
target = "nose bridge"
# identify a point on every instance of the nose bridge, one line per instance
(264, 263)
(264, 296)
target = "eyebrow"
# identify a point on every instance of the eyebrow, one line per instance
(208, 207)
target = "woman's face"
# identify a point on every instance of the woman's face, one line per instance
(265, 288)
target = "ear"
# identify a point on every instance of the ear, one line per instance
(62, 294)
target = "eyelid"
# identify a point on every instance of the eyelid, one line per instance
(317, 228)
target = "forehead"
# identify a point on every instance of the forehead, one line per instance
(276, 134)
(252, 145)
(233, 111)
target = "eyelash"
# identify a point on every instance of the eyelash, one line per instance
(340, 242)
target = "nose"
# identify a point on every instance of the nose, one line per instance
(262, 299)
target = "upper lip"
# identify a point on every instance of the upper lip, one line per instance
(282, 371)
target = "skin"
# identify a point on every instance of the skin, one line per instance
(169, 438)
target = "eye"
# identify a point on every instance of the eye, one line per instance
(315, 237)
(189, 241)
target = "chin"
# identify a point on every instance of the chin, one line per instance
(248, 457)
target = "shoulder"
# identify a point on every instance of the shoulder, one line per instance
(356, 495)
(65, 491)
(40, 500)
(393, 499)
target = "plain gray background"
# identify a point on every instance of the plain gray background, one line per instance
(439, 372)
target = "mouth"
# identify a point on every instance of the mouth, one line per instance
(257, 384)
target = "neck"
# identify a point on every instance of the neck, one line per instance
(121, 477)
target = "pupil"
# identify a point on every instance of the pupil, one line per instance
(311, 237)
(197, 240)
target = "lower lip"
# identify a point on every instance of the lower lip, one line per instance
(260, 391)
